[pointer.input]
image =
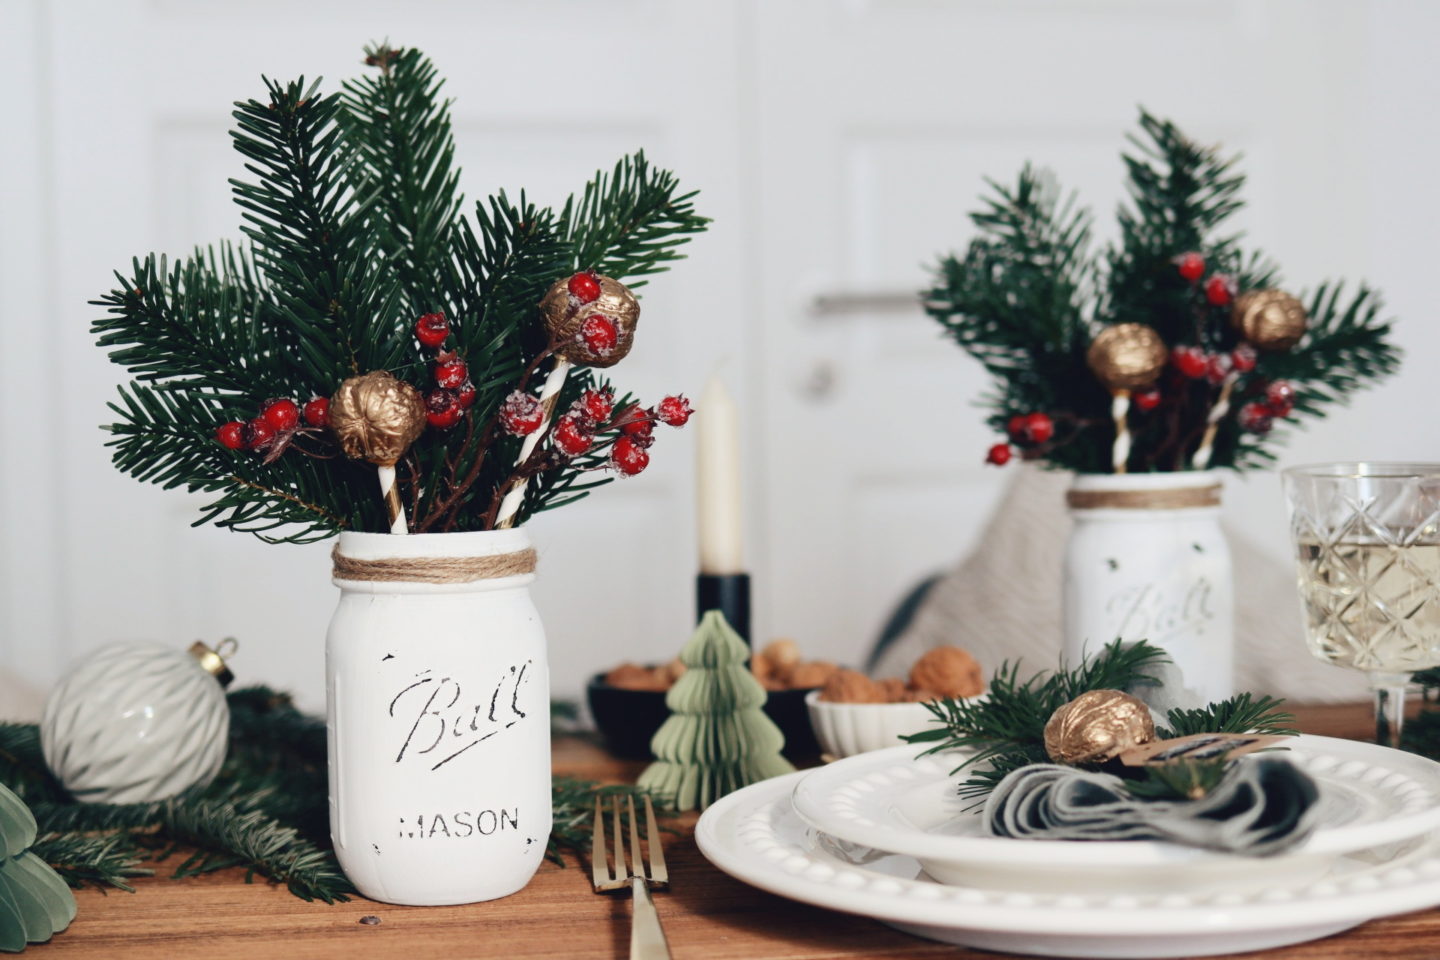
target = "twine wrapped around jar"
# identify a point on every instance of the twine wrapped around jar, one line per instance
(433, 569)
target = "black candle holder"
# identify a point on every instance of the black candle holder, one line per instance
(730, 594)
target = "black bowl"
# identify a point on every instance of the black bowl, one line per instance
(629, 718)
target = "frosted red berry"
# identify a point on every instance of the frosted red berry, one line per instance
(629, 457)
(1146, 400)
(1220, 290)
(1243, 358)
(1256, 418)
(281, 414)
(432, 329)
(597, 404)
(1191, 266)
(599, 334)
(1039, 428)
(1190, 361)
(317, 411)
(231, 435)
(584, 286)
(451, 374)
(674, 411)
(521, 414)
(999, 454)
(1217, 368)
(258, 434)
(635, 422)
(1280, 398)
(571, 437)
(465, 393)
(442, 409)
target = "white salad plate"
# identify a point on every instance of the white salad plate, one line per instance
(756, 836)
(895, 801)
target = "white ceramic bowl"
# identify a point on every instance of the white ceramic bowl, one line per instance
(845, 729)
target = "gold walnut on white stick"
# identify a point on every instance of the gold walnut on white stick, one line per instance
(608, 304)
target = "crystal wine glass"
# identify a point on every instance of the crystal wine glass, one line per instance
(1367, 541)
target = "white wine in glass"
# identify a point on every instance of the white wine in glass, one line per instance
(1367, 540)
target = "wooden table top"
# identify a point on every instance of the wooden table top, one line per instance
(706, 914)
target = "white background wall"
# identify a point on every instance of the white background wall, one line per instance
(836, 144)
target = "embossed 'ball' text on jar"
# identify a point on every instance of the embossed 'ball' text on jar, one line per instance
(1147, 560)
(438, 696)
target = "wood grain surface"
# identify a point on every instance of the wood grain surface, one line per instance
(706, 914)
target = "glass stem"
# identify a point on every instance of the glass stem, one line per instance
(1389, 709)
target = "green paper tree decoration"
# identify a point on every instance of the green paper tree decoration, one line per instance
(717, 738)
(35, 903)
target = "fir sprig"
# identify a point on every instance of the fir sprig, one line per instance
(1242, 713)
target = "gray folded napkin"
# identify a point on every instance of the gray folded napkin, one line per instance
(1263, 806)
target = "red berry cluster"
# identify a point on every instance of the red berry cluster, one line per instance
(1025, 430)
(453, 393)
(275, 426)
(594, 412)
(1260, 416)
(1194, 363)
(1219, 289)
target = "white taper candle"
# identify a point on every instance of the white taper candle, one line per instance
(718, 480)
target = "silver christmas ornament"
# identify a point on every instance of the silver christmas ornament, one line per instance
(136, 723)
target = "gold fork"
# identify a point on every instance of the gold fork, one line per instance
(647, 939)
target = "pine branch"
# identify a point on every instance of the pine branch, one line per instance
(1178, 780)
(96, 861)
(1180, 192)
(399, 132)
(1242, 713)
(225, 835)
(1018, 302)
(630, 223)
(22, 765)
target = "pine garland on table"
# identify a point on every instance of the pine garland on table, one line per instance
(267, 811)
(354, 242)
(1227, 357)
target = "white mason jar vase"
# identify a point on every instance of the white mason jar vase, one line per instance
(1147, 560)
(438, 697)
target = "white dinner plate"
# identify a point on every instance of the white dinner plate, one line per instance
(891, 800)
(756, 836)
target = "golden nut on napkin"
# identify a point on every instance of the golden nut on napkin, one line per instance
(1096, 726)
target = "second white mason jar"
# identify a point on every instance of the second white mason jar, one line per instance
(1147, 560)
(438, 697)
